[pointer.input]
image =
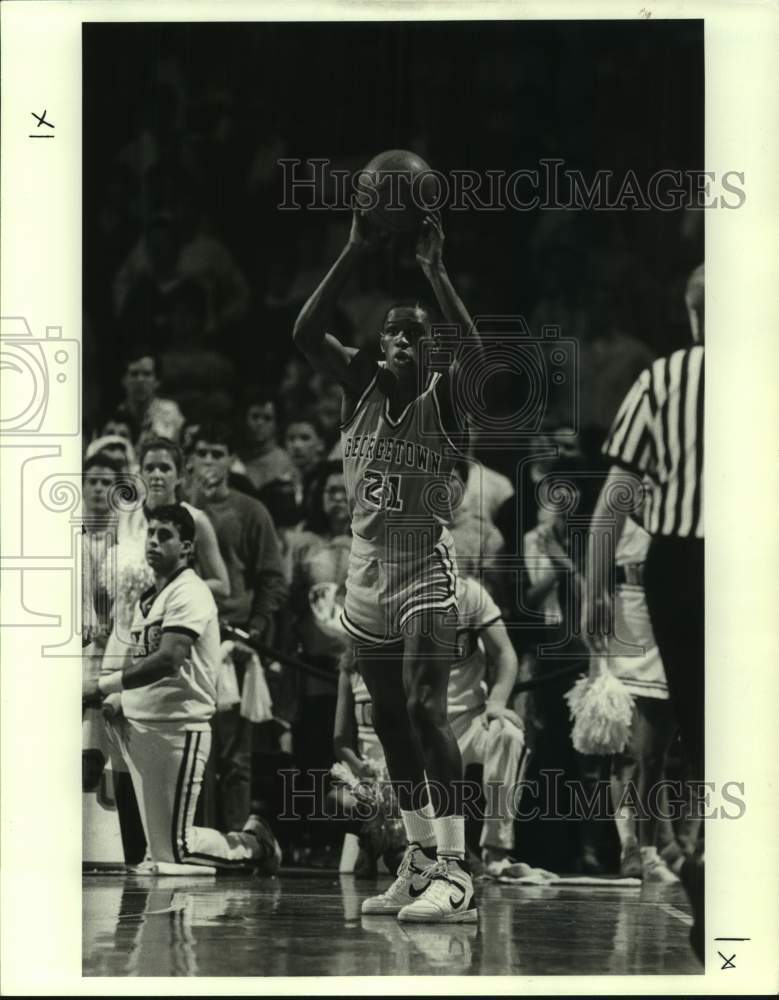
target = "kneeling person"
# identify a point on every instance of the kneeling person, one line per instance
(168, 697)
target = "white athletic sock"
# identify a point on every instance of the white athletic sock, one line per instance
(626, 830)
(648, 854)
(418, 824)
(450, 836)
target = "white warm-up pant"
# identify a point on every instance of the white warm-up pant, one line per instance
(500, 748)
(166, 765)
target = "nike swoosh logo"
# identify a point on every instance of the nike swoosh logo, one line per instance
(457, 904)
(414, 893)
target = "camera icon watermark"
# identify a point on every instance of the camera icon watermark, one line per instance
(39, 381)
(510, 383)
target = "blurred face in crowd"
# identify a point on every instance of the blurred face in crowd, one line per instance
(293, 377)
(140, 381)
(334, 503)
(210, 462)
(328, 409)
(160, 476)
(97, 484)
(567, 443)
(188, 434)
(261, 422)
(117, 428)
(118, 453)
(303, 444)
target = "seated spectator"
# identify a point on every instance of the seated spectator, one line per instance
(261, 458)
(156, 417)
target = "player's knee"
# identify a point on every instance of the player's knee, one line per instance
(388, 719)
(426, 708)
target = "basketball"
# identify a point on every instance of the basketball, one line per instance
(396, 189)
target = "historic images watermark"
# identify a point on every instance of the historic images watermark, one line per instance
(548, 797)
(314, 185)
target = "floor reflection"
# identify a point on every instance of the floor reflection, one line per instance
(292, 926)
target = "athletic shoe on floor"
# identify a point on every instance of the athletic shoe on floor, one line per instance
(412, 880)
(656, 872)
(630, 861)
(145, 867)
(268, 859)
(448, 899)
(673, 856)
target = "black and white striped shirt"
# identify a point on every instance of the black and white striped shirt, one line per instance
(658, 433)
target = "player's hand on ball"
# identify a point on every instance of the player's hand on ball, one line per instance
(430, 245)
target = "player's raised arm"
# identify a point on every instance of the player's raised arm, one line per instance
(324, 351)
(430, 258)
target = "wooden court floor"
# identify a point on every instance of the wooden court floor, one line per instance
(302, 924)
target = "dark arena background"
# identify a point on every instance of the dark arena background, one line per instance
(193, 136)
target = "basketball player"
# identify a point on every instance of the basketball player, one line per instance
(487, 730)
(400, 605)
(168, 697)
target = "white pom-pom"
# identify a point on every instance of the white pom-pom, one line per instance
(343, 773)
(602, 711)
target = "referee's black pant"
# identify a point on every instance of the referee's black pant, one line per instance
(673, 582)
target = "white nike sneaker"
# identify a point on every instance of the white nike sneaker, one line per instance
(412, 880)
(449, 898)
(656, 871)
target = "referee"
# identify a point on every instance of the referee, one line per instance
(658, 436)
